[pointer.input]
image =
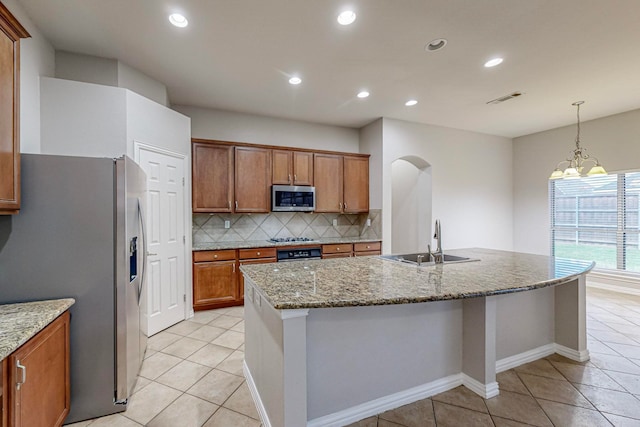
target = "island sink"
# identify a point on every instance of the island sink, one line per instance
(427, 258)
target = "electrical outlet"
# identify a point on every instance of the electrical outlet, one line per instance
(335, 222)
(368, 222)
(227, 224)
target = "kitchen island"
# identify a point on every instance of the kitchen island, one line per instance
(334, 341)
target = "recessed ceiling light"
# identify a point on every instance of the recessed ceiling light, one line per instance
(435, 44)
(363, 94)
(295, 80)
(493, 62)
(178, 20)
(411, 103)
(347, 17)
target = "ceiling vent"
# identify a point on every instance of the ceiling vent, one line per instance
(505, 98)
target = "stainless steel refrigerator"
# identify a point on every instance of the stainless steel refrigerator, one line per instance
(80, 234)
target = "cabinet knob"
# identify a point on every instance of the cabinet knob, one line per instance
(337, 249)
(229, 204)
(340, 205)
(215, 256)
(257, 253)
(345, 205)
(236, 204)
(289, 178)
(368, 247)
(295, 177)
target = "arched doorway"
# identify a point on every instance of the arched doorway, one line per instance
(411, 204)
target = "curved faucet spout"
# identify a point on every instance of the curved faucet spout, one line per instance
(437, 255)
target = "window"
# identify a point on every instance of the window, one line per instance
(597, 219)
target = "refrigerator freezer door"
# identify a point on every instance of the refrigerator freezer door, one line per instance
(130, 259)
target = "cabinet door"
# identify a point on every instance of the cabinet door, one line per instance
(281, 173)
(39, 377)
(10, 33)
(302, 168)
(252, 179)
(250, 261)
(214, 284)
(327, 171)
(212, 173)
(356, 184)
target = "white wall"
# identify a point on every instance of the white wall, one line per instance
(614, 140)
(472, 191)
(238, 127)
(134, 80)
(86, 68)
(371, 143)
(37, 58)
(82, 119)
(108, 72)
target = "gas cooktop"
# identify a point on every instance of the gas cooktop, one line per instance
(290, 239)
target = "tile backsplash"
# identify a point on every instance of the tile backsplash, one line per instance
(209, 228)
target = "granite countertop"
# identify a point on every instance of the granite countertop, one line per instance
(19, 322)
(267, 244)
(362, 281)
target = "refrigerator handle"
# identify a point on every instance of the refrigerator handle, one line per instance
(144, 249)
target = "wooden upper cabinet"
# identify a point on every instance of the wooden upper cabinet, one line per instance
(10, 34)
(212, 178)
(282, 171)
(252, 179)
(302, 168)
(292, 167)
(356, 184)
(328, 180)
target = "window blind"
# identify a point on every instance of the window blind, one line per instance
(597, 219)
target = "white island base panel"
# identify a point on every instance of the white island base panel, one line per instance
(334, 366)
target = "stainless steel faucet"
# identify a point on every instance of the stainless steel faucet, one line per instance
(438, 257)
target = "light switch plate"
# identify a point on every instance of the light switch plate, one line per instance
(368, 222)
(335, 222)
(227, 224)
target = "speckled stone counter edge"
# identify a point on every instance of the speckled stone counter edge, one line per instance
(468, 283)
(267, 244)
(21, 321)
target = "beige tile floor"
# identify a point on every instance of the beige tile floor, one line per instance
(192, 376)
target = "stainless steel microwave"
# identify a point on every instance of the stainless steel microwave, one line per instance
(293, 198)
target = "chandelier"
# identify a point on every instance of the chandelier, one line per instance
(576, 165)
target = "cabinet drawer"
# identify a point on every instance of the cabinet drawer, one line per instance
(366, 253)
(369, 246)
(225, 255)
(255, 253)
(337, 248)
(336, 255)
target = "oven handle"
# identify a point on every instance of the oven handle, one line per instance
(299, 259)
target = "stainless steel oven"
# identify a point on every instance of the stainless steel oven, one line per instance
(299, 254)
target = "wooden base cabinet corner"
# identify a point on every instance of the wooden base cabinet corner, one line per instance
(37, 378)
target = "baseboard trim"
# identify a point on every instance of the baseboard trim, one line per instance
(395, 400)
(578, 356)
(262, 412)
(526, 357)
(486, 391)
(613, 288)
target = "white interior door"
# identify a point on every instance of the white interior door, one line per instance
(166, 278)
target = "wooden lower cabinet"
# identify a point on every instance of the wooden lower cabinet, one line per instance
(36, 387)
(215, 281)
(367, 249)
(342, 250)
(254, 256)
